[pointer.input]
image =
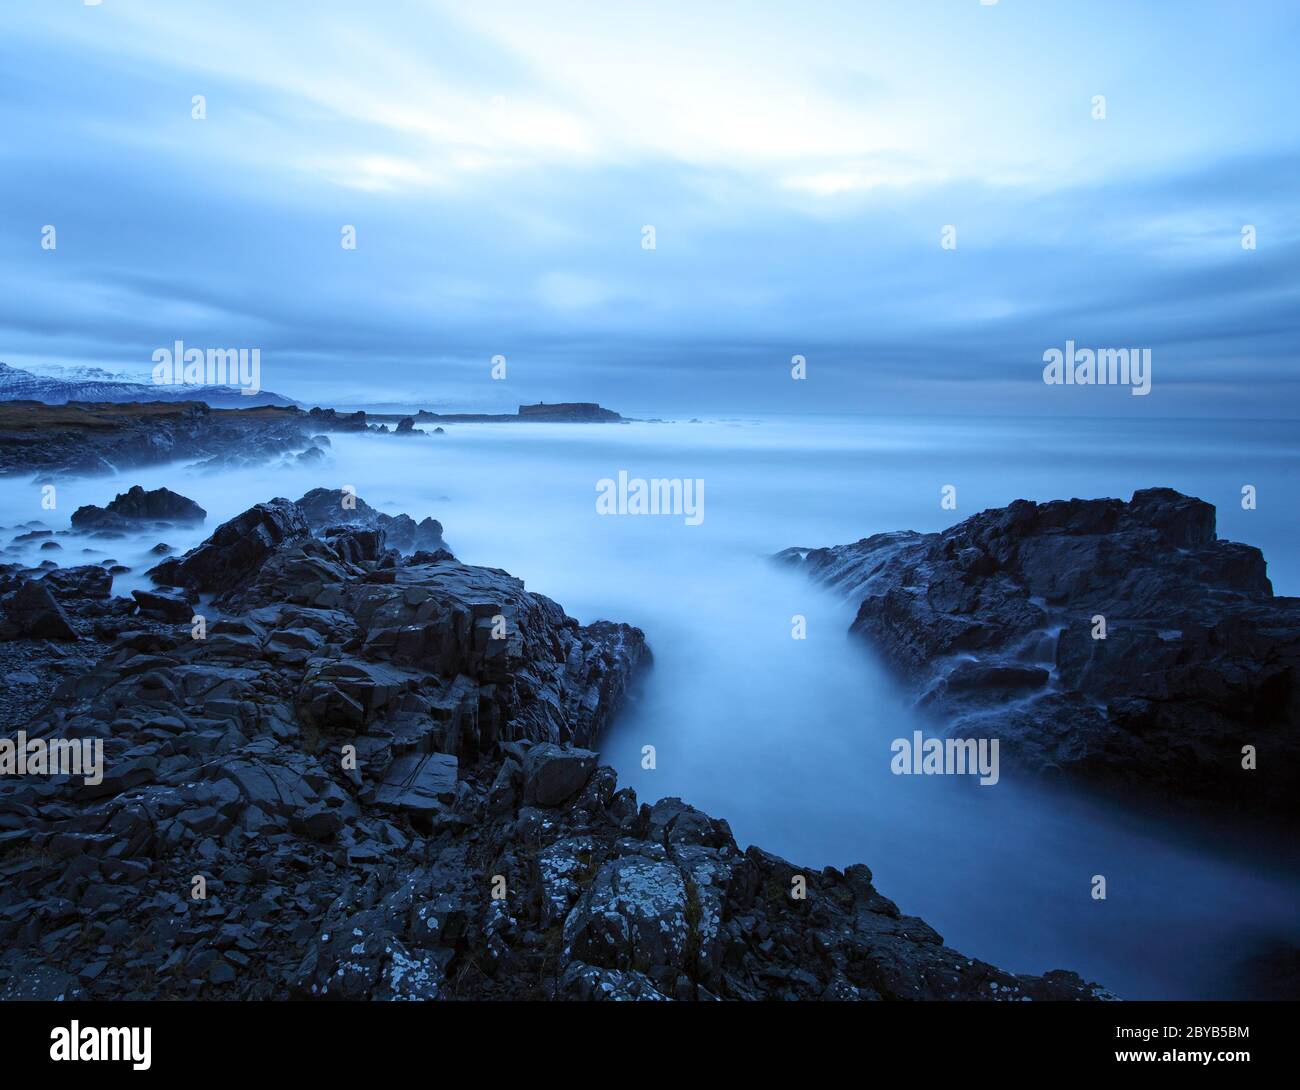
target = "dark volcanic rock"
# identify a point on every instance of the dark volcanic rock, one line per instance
(32, 535)
(334, 421)
(31, 611)
(328, 507)
(165, 607)
(236, 550)
(135, 506)
(554, 774)
(420, 782)
(992, 623)
(360, 784)
(83, 581)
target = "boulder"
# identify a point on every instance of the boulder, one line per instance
(632, 916)
(136, 505)
(553, 774)
(32, 612)
(165, 607)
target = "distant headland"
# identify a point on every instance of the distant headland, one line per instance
(563, 412)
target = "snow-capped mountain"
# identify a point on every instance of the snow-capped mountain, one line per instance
(74, 373)
(19, 385)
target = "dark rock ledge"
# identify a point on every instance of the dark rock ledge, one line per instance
(991, 623)
(226, 759)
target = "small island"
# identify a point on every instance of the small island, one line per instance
(563, 412)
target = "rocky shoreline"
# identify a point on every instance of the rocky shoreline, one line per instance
(334, 768)
(103, 438)
(1121, 644)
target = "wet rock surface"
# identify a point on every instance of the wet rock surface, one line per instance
(996, 626)
(372, 777)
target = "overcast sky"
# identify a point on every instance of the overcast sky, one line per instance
(798, 163)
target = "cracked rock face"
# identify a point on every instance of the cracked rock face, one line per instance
(371, 779)
(997, 626)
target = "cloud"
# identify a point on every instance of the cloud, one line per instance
(498, 163)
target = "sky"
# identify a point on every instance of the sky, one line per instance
(798, 163)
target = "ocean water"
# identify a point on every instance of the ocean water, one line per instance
(790, 739)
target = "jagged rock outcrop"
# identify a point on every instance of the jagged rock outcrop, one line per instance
(997, 622)
(325, 508)
(369, 776)
(333, 420)
(237, 550)
(134, 506)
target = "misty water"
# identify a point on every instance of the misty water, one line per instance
(790, 739)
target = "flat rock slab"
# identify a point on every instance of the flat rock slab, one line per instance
(419, 781)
